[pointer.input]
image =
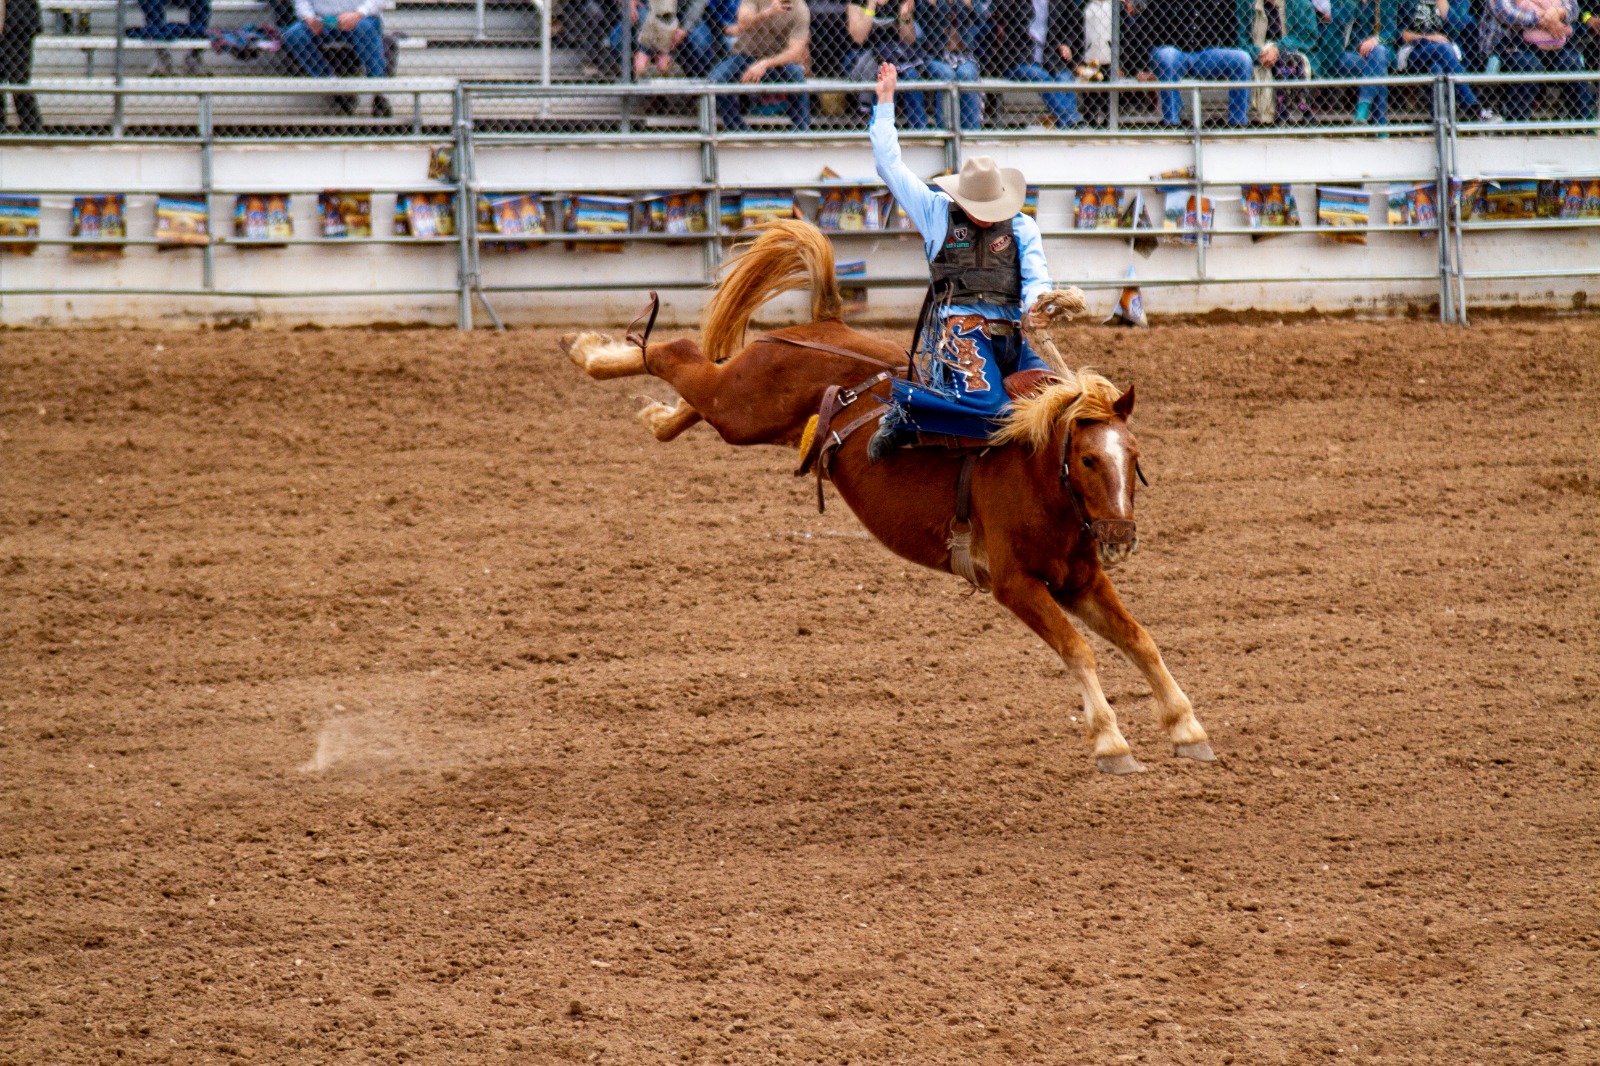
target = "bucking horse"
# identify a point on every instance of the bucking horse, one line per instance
(1036, 515)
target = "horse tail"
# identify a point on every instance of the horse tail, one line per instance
(786, 255)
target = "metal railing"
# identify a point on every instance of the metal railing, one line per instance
(471, 117)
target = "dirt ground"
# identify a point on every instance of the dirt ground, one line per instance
(390, 696)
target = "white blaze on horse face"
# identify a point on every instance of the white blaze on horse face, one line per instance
(1118, 468)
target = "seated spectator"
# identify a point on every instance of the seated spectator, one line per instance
(694, 36)
(949, 32)
(324, 22)
(887, 35)
(1588, 33)
(773, 45)
(157, 28)
(19, 25)
(1528, 36)
(1426, 47)
(1319, 30)
(1017, 33)
(1072, 40)
(1141, 33)
(830, 38)
(1204, 40)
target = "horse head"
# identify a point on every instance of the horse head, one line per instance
(1081, 423)
(1099, 464)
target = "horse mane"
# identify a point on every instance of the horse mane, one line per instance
(787, 254)
(1032, 419)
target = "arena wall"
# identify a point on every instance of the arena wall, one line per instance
(324, 282)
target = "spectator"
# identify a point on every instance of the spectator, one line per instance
(949, 31)
(1204, 39)
(1426, 47)
(1588, 32)
(19, 25)
(773, 45)
(1141, 33)
(887, 34)
(1017, 35)
(1321, 29)
(157, 28)
(590, 25)
(694, 36)
(831, 46)
(324, 22)
(1526, 37)
(1065, 47)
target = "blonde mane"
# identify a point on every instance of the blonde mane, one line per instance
(1033, 419)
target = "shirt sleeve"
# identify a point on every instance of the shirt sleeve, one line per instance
(926, 208)
(1507, 12)
(1035, 267)
(303, 10)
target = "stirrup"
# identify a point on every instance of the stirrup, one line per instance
(648, 317)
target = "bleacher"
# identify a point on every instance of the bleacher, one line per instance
(437, 42)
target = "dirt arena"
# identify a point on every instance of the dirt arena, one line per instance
(390, 696)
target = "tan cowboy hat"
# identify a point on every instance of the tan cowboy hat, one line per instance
(986, 191)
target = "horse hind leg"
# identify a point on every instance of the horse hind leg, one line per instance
(602, 357)
(668, 423)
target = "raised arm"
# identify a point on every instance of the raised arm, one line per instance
(925, 207)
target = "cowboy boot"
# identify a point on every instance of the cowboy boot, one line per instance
(885, 439)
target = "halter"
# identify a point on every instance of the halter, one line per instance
(1105, 530)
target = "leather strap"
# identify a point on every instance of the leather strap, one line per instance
(648, 317)
(818, 346)
(836, 441)
(835, 398)
(964, 490)
(960, 543)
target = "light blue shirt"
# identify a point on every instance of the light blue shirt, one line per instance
(929, 211)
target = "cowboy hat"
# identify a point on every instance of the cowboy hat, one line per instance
(986, 191)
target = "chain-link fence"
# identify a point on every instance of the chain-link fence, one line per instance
(1279, 54)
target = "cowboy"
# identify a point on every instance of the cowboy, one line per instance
(988, 264)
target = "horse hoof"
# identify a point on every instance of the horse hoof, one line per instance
(1118, 764)
(1200, 751)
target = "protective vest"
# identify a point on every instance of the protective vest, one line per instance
(976, 264)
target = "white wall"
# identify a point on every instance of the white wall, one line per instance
(311, 275)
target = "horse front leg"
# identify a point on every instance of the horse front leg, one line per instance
(1102, 611)
(1030, 600)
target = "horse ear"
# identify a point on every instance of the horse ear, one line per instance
(1124, 404)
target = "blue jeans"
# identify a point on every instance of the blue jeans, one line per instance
(1432, 57)
(963, 394)
(731, 108)
(1212, 64)
(306, 47)
(157, 28)
(971, 103)
(1578, 96)
(1063, 105)
(1375, 65)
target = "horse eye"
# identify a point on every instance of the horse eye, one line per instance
(1088, 460)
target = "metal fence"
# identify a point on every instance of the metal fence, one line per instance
(1268, 47)
(473, 218)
